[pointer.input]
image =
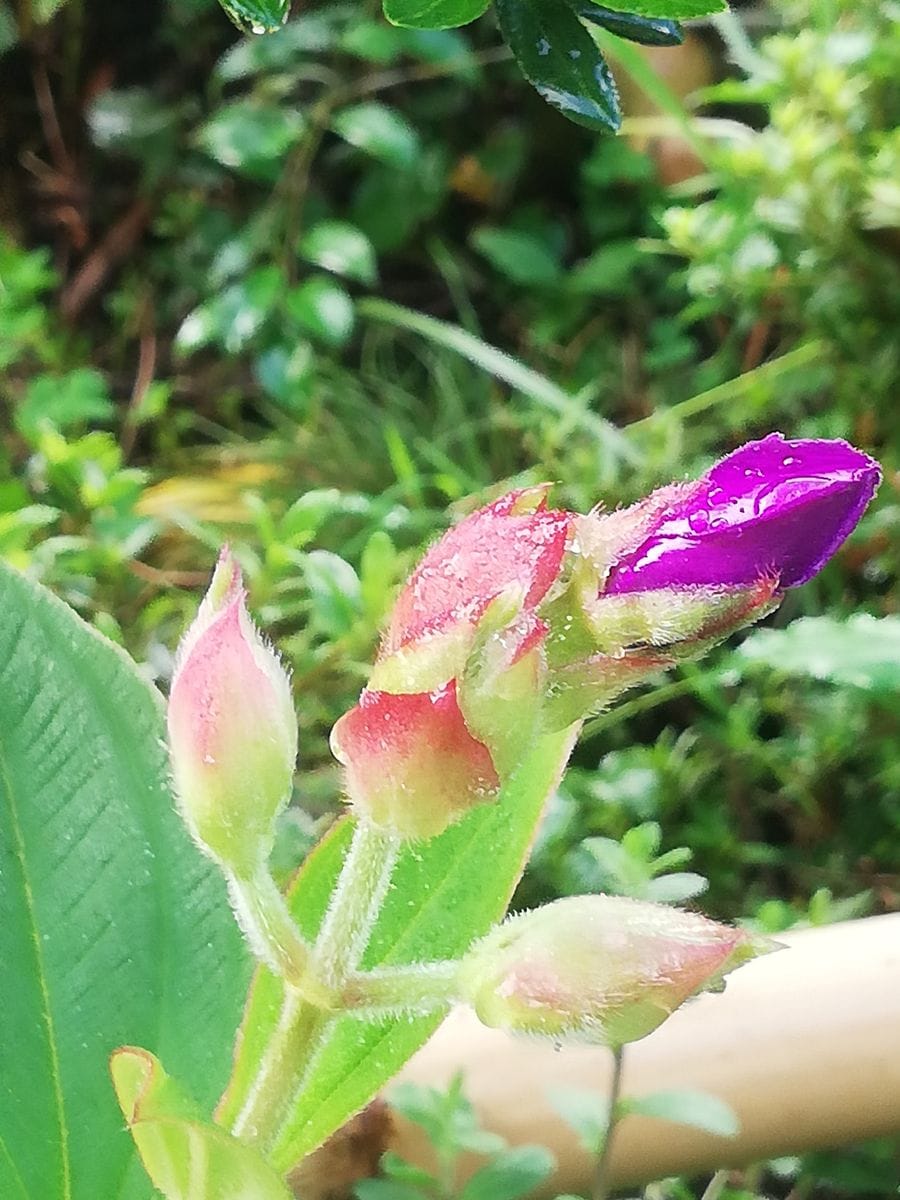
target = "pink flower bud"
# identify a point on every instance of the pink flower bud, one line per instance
(516, 541)
(412, 767)
(600, 969)
(232, 730)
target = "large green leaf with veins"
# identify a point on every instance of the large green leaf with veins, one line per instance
(113, 928)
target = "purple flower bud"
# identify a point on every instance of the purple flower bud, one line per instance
(776, 508)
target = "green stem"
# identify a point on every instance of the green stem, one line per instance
(355, 903)
(420, 989)
(263, 915)
(600, 1190)
(281, 1070)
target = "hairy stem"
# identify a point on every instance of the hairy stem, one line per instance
(263, 915)
(355, 903)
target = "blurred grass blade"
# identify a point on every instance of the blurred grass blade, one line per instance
(502, 366)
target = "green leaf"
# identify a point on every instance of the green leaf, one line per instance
(434, 14)
(372, 41)
(342, 248)
(388, 1189)
(510, 1174)
(521, 257)
(697, 1109)
(649, 31)
(307, 35)
(381, 132)
(257, 16)
(586, 1111)
(612, 270)
(557, 56)
(323, 308)
(9, 30)
(186, 1157)
(234, 316)
(64, 401)
(861, 652)
(114, 928)
(671, 10)
(471, 871)
(251, 138)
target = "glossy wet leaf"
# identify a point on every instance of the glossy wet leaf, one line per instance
(114, 928)
(471, 871)
(557, 55)
(257, 16)
(672, 10)
(649, 31)
(433, 14)
(379, 131)
(251, 138)
(187, 1157)
(323, 308)
(342, 248)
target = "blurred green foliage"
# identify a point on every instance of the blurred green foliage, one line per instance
(311, 292)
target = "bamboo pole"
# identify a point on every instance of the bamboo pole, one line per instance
(804, 1045)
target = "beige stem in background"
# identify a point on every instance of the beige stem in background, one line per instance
(804, 1045)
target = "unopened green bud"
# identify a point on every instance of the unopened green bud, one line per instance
(598, 969)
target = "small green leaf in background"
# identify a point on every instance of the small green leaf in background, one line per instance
(521, 257)
(586, 1111)
(381, 132)
(323, 308)
(373, 41)
(9, 30)
(342, 248)
(311, 33)
(334, 590)
(700, 1110)
(672, 10)
(186, 1157)
(257, 16)
(612, 270)
(649, 31)
(115, 929)
(861, 652)
(251, 138)
(557, 56)
(434, 14)
(510, 1174)
(234, 316)
(65, 401)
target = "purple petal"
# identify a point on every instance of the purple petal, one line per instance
(774, 507)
